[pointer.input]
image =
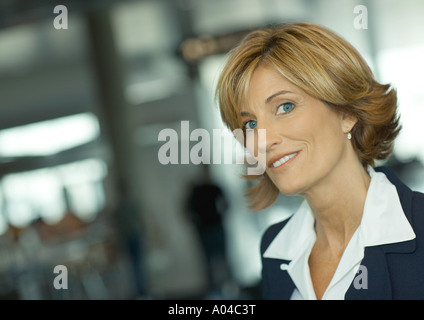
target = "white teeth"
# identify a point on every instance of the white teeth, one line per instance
(283, 160)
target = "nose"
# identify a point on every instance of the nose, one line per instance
(272, 136)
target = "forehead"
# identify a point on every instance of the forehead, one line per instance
(266, 82)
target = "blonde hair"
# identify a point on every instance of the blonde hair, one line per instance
(326, 67)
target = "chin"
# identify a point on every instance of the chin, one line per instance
(289, 188)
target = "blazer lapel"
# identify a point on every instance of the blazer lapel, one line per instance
(374, 282)
(276, 282)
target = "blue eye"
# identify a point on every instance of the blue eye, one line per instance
(285, 107)
(250, 124)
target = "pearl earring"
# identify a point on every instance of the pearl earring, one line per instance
(349, 136)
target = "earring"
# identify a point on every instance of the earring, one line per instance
(349, 136)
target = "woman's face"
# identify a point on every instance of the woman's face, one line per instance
(305, 139)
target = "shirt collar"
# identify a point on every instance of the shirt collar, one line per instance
(383, 222)
(295, 235)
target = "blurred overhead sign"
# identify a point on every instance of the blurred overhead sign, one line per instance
(196, 48)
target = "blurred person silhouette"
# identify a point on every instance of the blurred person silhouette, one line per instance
(129, 227)
(207, 205)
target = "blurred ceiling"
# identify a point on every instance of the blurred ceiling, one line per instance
(44, 72)
(47, 73)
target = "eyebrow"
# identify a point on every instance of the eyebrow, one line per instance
(247, 114)
(276, 94)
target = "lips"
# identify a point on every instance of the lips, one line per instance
(281, 159)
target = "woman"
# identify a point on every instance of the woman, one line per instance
(357, 235)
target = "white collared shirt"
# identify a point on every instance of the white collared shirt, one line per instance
(383, 222)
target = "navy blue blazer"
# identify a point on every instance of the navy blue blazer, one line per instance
(395, 271)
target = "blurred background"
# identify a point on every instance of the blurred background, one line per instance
(81, 109)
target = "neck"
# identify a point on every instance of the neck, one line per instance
(338, 206)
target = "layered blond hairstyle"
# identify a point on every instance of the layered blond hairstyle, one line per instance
(326, 67)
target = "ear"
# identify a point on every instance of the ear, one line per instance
(348, 121)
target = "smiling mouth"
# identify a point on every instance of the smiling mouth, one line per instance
(283, 160)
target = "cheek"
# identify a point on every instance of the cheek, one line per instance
(319, 127)
(325, 146)
(320, 139)
(304, 131)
